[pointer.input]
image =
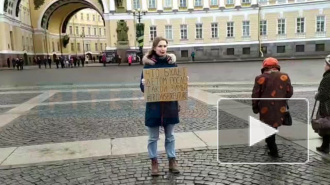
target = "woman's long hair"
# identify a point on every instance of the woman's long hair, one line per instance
(154, 46)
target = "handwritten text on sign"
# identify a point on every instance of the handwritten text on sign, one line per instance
(165, 84)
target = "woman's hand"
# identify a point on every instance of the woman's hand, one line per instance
(316, 96)
(143, 81)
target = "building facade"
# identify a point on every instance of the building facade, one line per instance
(213, 29)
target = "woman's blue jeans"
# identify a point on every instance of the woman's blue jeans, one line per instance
(169, 141)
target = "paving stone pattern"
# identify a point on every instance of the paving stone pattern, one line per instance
(89, 121)
(8, 99)
(78, 96)
(291, 153)
(197, 167)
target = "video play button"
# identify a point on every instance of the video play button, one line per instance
(259, 131)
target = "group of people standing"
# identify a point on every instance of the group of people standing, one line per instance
(63, 62)
(17, 63)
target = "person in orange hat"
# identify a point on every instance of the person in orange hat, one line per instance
(271, 84)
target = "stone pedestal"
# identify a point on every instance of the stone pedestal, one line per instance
(122, 47)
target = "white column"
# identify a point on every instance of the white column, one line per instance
(190, 4)
(144, 6)
(160, 5)
(175, 6)
(112, 6)
(206, 5)
(105, 5)
(238, 4)
(222, 4)
(254, 3)
(129, 5)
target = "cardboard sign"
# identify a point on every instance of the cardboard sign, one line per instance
(165, 84)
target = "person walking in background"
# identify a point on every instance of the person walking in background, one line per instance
(271, 84)
(39, 62)
(57, 62)
(130, 59)
(104, 60)
(193, 56)
(45, 62)
(13, 61)
(165, 114)
(8, 62)
(323, 114)
(21, 62)
(50, 62)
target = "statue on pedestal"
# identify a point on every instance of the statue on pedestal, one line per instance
(119, 3)
(122, 30)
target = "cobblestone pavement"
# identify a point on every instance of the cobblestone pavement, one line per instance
(198, 166)
(88, 121)
(7, 99)
(99, 95)
(291, 153)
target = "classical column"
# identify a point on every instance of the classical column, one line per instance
(175, 5)
(144, 6)
(112, 6)
(222, 4)
(190, 4)
(129, 5)
(238, 4)
(206, 5)
(159, 5)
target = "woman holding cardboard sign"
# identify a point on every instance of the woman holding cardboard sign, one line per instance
(158, 114)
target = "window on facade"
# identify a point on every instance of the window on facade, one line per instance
(184, 53)
(230, 29)
(281, 26)
(99, 18)
(198, 2)
(168, 3)
(89, 31)
(319, 47)
(300, 48)
(82, 16)
(246, 1)
(214, 29)
(168, 32)
(320, 24)
(100, 31)
(214, 2)
(94, 31)
(53, 46)
(264, 49)
(96, 47)
(246, 51)
(93, 17)
(23, 43)
(199, 31)
(72, 46)
(101, 46)
(87, 17)
(300, 25)
(152, 3)
(153, 32)
(183, 31)
(77, 30)
(78, 46)
(58, 46)
(230, 1)
(183, 3)
(70, 28)
(104, 31)
(230, 51)
(83, 30)
(280, 49)
(263, 27)
(87, 49)
(136, 4)
(246, 28)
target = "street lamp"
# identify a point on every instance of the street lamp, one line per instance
(140, 31)
(83, 36)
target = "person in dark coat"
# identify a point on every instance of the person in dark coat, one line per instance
(21, 62)
(50, 62)
(83, 61)
(165, 114)
(271, 84)
(18, 64)
(45, 62)
(13, 61)
(8, 62)
(39, 62)
(323, 96)
(57, 62)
